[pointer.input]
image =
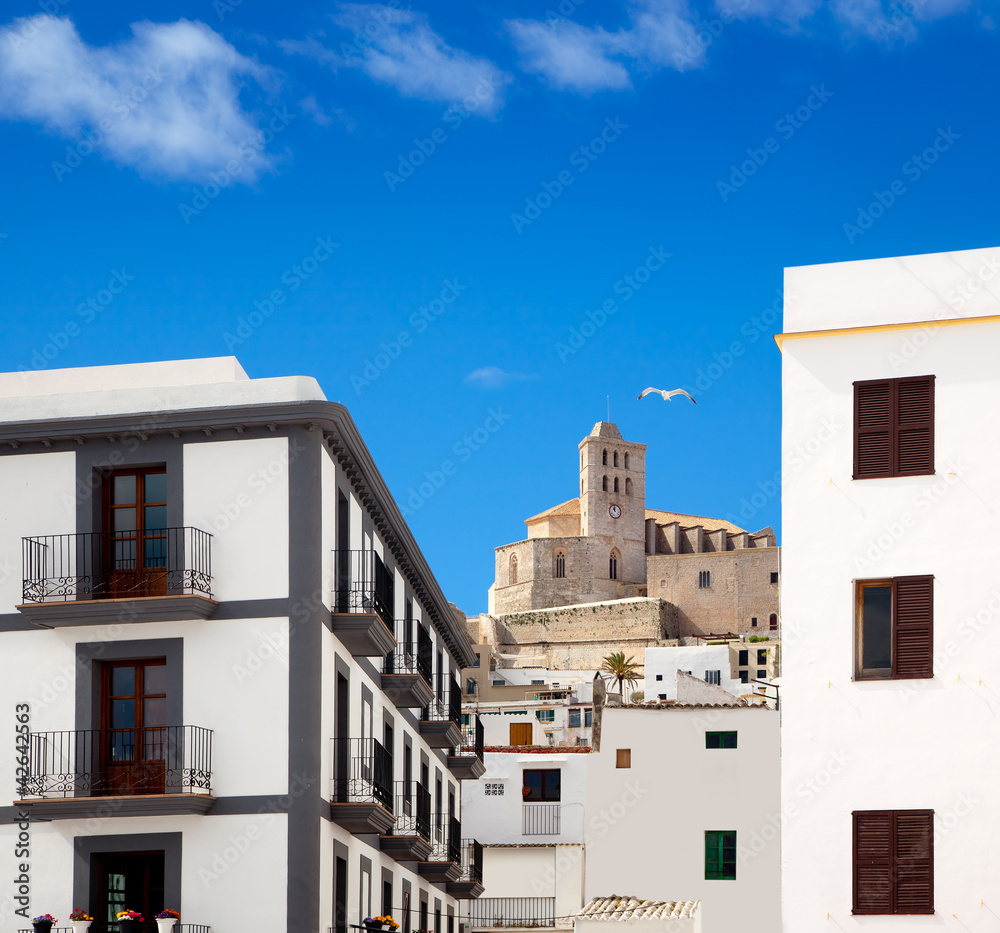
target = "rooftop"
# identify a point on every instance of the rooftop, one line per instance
(571, 508)
(616, 907)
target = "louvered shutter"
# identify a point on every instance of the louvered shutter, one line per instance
(913, 627)
(873, 424)
(914, 860)
(914, 426)
(873, 850)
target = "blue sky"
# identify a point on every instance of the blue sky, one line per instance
(533, 208)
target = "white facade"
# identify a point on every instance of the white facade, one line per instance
(648, 811)
(279, 478)
(852, 744)
(709, 662)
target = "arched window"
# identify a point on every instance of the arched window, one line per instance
(616, 458)
(774, 622)
(604, 484)
(560, 556)
(626, 460)
(616, 484)
(604, 457)
(628, 487)
(512, 573)
(613, 564)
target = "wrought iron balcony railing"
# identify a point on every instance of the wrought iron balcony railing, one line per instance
(519, 912)
(425, 653)
(446, 708)
(118, 762)
(473, 738)
(541, 819)
(113, 928)
(447, 848)
(362, 770)
(413, 810)
(472, 861)
(117, 565)
(363, 583)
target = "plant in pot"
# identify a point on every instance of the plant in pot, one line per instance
(44, 923)
(372, 923)
(80, 920)
(389, 923)
(130, 921)
(166, 919)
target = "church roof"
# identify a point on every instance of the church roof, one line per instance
(572, 507)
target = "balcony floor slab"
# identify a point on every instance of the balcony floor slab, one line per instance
(102, 611)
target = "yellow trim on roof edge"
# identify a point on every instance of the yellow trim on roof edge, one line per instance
(779, 339)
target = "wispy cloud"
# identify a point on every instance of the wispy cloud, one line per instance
(493, 377)
(399, 48)
(879, 20)
(165, 101)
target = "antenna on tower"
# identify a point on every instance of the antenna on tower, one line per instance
(608, 397)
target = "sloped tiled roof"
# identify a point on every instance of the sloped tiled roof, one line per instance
(572, 507)
(634, 908)
(566, 508)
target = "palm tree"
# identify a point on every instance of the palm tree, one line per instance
(621, 669)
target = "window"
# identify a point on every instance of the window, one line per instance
(894, 427)
(659, 677)
(604, 484)
(588, 717)
(604, 458)
(613, 565)
(470, 685)
(753, 622)
(512, 575)
(662, 696)
(761, 675)
(616, 484)
(134, 741)
(476, 662)
(626, 460)
(773, 622)
(774, 577)
(744, 677)
(713, 677)
(616, 459)
(560, 555)
(762, 655)
(628, 487)
(136, 545)
(623, 758)
(704, 579)
(895, 628)
(582, 741)
(720, 856)
(893, 862)
(574, 718)
(720, 740)
(744, 657)
(542, 784)
(545, 715)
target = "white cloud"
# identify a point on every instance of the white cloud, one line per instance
(589, 58)
(879, 20)
(493, 377)
(165, 101)
(399, 48)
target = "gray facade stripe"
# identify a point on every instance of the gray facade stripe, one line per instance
(88, 683)
(305, 680)
(84, 847)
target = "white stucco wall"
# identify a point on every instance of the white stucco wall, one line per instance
(675, 791)
(697, 659)
(850, 745)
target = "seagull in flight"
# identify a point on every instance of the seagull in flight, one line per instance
(665, 393)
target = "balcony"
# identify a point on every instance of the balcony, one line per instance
(363, 602)
(441, 719)
(156, 771)
(403, 682)
(467, 764)
(470, 882)
(133, 576)
(541, 819)
(361, 799)
(410, 839)
(512, 912)
(445, 863)
(178, 928)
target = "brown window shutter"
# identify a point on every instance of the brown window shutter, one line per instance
(914, 860)
(913, 627)
(873, 868)
(873, 428)
(915, 426)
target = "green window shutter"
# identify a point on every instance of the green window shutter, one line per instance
(720, 855)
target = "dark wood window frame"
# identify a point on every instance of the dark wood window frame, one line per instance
(550, 785)
(893, 862)
(912, 629)
(894, 427)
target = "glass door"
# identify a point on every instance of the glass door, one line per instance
(136, 533)
(134, 731)
(126, 881)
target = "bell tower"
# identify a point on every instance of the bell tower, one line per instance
(612, 485)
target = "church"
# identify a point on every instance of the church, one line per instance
(605, 545)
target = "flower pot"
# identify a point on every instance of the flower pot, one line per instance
(374, 926)
(43, 926)
(80, 926)
(166, 925)
(130, 926)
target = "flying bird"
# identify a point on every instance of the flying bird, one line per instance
(665, 393)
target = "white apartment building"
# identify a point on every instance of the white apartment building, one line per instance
(890, 689)
(232, 675)
(740, 667)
